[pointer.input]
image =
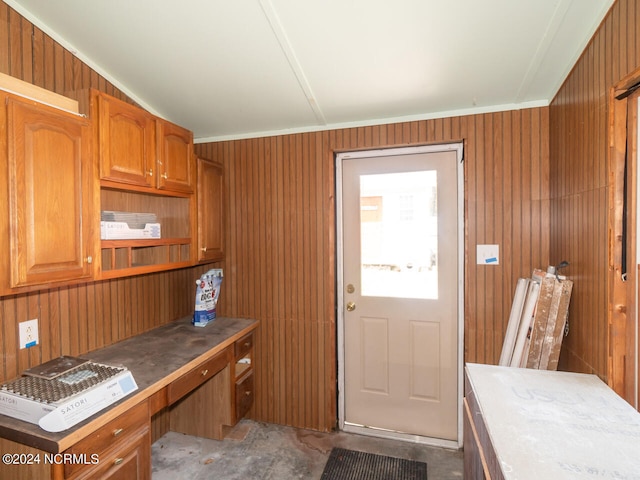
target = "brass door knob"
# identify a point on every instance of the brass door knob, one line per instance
(351, 307)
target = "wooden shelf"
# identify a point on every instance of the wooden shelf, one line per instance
(132, 257)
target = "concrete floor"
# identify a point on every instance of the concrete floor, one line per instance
(255, 450)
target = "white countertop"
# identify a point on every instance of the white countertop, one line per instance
(557, 425)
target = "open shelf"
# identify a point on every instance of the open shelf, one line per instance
(128, 257)
(137, 256)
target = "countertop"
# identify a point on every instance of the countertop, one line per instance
(155, 358)
(548, 424)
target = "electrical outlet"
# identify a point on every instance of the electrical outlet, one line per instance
(28, 333)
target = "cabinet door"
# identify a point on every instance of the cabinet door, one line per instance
(126, 142)
(50, 194)
(210, 211)
(175, 160)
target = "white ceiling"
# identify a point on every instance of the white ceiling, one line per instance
(248, 68)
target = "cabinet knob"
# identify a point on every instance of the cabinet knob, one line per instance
(247, 344)
(89, 259)
(204, 249)
(118, 461)
(247, 393)
(150, 172)
(165, 176)
(204, 372)
(118, 431)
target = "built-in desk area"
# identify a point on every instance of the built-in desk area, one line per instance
(199, 380)
(533, 424)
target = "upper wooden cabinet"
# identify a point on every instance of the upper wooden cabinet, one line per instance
(175, 160)
(126, 142)
(147, 165)
(140, 150)
(210, 211)
(50, 187)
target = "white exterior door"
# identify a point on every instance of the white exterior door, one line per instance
(400, 292)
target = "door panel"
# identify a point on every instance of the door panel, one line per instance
(400, 271)
(375, 355)
(50, 180)
(126, 142)
(425, 362)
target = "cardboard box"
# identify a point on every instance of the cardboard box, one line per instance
(122, 231)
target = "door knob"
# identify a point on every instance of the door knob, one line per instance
(351, 307)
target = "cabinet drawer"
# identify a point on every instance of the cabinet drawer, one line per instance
(196, 377)
(130, 461)
(244, 345)
(118, 431)
(244, 396)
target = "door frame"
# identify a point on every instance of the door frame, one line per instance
(623, 371)
(340, 157)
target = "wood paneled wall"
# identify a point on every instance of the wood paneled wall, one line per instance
(281, 245)
(581, 183)
(27, 53)
(74, 320)
(280, 264)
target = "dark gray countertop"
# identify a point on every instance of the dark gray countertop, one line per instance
(155, 358)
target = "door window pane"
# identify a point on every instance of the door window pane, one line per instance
(399, 235)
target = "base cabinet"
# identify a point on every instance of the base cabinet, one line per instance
(132, 461)
(204, 398)
(116, 447)
(475, 465)
(531, 424)
(244, 390)
(244, 396)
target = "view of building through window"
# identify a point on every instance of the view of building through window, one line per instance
(399, 235)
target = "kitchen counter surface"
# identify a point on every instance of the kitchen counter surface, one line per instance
(155, 358)
(548, 424)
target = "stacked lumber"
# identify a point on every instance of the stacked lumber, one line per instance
(537, 321)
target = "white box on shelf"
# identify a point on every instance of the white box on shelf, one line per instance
(122, 231)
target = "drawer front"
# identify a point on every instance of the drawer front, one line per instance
(196, 377)
(116, 431)
(244, 345)
(244, 396)
(130, 461)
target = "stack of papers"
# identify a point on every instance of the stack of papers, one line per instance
(133, 219)
(128, 225)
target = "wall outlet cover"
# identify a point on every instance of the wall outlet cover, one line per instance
(28, 333)
(488, 254)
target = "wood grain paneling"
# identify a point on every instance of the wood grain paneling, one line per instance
(582, 184)
(281, 253)
(77, 319)
(280, 241)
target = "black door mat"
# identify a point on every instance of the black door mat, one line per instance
(346, 464)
